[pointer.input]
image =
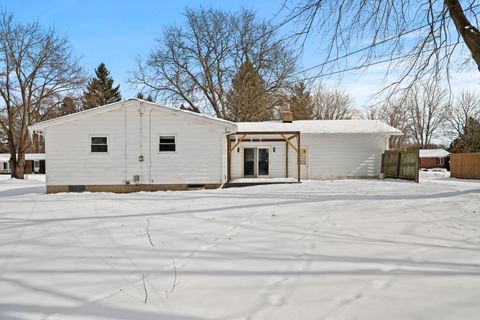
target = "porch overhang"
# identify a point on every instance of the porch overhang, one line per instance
(235, 139)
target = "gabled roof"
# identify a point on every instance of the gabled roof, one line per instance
(40, 126)
(321, 126)
(434, 153)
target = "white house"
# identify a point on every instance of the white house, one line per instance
(134, 145)
(137, 145)
(327, 149)
(34, 163)
(433, 158)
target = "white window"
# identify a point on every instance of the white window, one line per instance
(36, 166)
(166, 144)
(99, 144)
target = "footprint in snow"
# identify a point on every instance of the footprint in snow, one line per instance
(233, 231)
(275, 281)
(276, 300)
(389, 268)
(379, 284)
(206, 246)
(299, 237)
(300, 266)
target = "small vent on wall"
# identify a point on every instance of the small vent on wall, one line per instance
(77, 188)
(195, 187)
(136, 178)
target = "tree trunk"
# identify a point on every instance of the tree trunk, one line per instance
(469, 33)
(19, 171)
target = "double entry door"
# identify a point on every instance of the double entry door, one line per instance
(256, 162)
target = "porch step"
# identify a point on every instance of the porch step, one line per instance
(259, 183)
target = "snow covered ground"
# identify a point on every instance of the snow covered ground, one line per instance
(352, 249)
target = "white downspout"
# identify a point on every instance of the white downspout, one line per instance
(225, 163)
(141, 111)
(150, 146)
(125, 146)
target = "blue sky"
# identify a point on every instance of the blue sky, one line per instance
(116, 32)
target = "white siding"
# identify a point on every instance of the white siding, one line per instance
(199, 156)
(330, 156)
(344, 155)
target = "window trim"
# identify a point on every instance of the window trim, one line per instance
(167, 135)
(98, 136)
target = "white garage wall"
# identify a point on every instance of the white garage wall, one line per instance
(344, 155)
(199, 158)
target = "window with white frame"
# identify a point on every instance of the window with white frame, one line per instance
(166, 144)
(99, 144)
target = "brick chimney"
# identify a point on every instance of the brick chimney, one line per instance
(287, 116)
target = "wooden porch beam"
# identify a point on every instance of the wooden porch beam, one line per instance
(290, 143)
(261, 140)
(298, 156)
(266, 132)
(286, 159)
(229, 159)
(238, 142)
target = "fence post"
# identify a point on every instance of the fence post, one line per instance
(399, 163)
(417, 166)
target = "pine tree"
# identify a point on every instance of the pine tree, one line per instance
(248, 98)
(100, 89)
(301, 103)
(149, 98)
(469, 140)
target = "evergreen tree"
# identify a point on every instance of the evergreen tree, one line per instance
(248, 98)
(149, 98)
(100, 89)
(301, 103)
(469, 140)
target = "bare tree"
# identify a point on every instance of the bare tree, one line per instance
(332, 105)
(36, 67)
(394, 113)
(458, 113)
(194, 64)
(426, 105)
(419, 38)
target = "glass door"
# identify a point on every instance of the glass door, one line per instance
(249, 156)
(263, 161)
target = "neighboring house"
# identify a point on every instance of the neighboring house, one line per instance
(134, 145)
(34, 163)
(137, 145)
(328, 149)
(433, 158)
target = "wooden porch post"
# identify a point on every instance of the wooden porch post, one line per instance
(286, 159)
(229, 158)
(298, 155)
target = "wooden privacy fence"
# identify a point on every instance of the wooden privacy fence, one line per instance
(400, 164)
(465, 165)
